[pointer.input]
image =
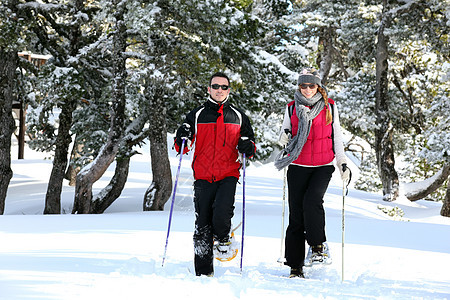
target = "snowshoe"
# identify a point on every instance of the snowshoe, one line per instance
(227, 249)
(319, 254)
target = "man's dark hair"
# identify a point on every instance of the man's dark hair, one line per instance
(219, 74)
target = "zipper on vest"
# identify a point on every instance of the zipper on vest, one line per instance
(225, 135)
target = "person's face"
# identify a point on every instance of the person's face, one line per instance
(308, 89)
(219, 94)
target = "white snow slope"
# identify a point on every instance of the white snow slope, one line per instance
(118, 255)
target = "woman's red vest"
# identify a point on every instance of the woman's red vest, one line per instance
(318, 149)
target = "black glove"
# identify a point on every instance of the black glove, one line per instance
(246, 146)
(183, 132)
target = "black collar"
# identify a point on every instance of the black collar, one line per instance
(214, 105)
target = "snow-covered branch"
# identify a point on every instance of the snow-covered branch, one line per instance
(418, 190)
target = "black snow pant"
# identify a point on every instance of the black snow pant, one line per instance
(306, 189)
(214, 208)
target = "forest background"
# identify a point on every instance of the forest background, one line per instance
(123, 73)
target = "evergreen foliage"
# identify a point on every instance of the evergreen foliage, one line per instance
(173, 46)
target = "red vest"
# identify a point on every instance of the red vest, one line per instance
(318, 149)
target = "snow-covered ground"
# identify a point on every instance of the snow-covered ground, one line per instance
(118, 255)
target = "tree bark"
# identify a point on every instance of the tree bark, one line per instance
(327, 54)
(445, 210)
(63, 140)
(383, 134)
(8, 65)
(115, 187)
(161, 187)
(91, 173)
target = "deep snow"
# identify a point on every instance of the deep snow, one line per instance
(118, 255)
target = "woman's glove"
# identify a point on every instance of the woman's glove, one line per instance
(284, 138)
(346, 174)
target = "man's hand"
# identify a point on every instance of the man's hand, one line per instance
(246, 146)
(183, 133)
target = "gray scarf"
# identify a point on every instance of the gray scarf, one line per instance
(305, 116)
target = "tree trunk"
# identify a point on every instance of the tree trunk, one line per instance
(63, 140)
(8, 65)
(159, 191)
(110, 193)
(326, 56)
(445, 211)
(91, 173)
(72, 171)
(383, 134)
(431, 184)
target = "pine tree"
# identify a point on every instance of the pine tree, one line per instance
(12, 39)
(86, 178)
(417, 50)
(61, 31)
(184, 42)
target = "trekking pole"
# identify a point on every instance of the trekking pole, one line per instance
(344, 193)
(343, 226)
(243, 209)
(173, 199)
(281, 260)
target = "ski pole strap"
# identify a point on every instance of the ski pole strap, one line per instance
(348, 182)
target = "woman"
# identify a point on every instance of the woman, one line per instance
(313, 123)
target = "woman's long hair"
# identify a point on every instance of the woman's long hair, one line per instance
(325, 98)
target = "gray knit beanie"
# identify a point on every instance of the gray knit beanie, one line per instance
(309, 75)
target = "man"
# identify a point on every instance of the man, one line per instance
(219, 131)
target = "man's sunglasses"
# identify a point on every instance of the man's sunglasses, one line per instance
(310, 86)
(217, 86)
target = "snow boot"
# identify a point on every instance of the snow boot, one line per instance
(226, 249)
(223, 246)
(296, 272)
(318, 254)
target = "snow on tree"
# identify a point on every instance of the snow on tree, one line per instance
(172, 47)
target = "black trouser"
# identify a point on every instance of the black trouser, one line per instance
(214, 208)
(306, 188)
